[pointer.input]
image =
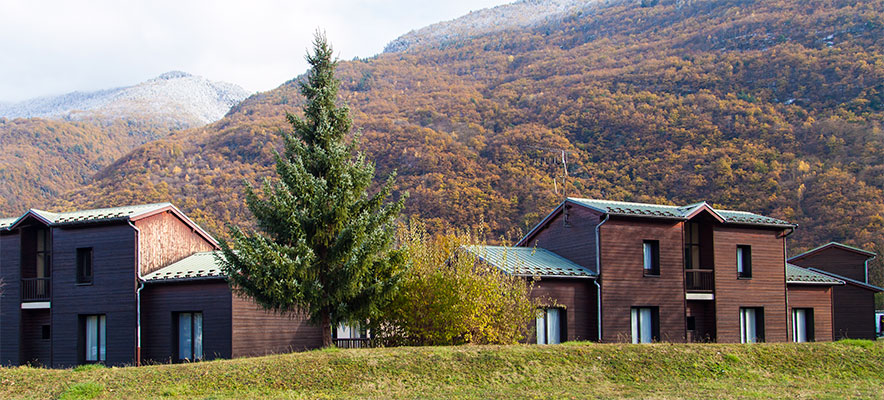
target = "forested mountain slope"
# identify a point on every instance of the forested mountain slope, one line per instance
(773, 106)
(51, 145)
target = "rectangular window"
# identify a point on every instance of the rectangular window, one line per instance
(692, 323)
(95, 338)
(84, 265)
(751, 325)
(802, 325)
(549, 325)
(692, 246)
(651, 253)
(645, 325)
(190, 336)
(744, 262)
(46, 332)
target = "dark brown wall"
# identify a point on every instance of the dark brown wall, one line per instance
(578, 296)
(854, 312)
(837, 261)
(166, 239)
(161, 300)
(624, 284)
(766, 288)
(818, 297)
(34, 349)
(257, 332)
(703, 312)
(10, 302)
(576, 243)
(112, 291)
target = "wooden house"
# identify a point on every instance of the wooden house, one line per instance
(124, 285)
(853, 304)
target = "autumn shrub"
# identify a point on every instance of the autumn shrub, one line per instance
(449, 297)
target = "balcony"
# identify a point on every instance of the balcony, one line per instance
(699, 280)
(35, 289)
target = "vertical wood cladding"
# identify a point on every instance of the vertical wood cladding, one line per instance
(166, 239)
(258, 332)
(576, 242)
(34, 349)
(578, 296)
(160, 302)
(10, 302)
(819, 298)
(854, 312)
(837, 261)
(112, 291)
(703, 312)
(766, 288)
(623, 282)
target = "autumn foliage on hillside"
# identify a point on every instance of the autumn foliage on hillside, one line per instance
(768, 106)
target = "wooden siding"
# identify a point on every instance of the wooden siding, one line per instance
(854, 315)
(819, 298)
(34, 349)
(160, 302)
(10, 305)
(837, 261)
(112, 292)
(703, 312)
(166, 239)
(576, 243)
(623, 282)
(766, 288)
(578, 296)
(258, 332)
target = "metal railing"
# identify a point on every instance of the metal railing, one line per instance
(354, 343)
(699, 280)
(35, 289)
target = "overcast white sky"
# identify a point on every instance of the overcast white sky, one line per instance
(54, 47)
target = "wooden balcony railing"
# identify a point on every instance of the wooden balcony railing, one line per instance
(699, 280)
(358, 343)
(35, 289)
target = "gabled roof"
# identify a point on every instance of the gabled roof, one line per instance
(529, 262)
(203, 265)
(849, 281)
(834, 245)
(799, 275)
(624, 208)
(131, 213)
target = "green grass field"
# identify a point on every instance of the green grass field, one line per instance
(847, 369)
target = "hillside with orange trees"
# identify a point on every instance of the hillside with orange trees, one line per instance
(773, 106)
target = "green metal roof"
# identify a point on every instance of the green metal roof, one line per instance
(526, 261)
(850, 281)
(92, 215)
(202, 265)
(796, 274)
(675, 212)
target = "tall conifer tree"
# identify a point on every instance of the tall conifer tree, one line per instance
(326, 244)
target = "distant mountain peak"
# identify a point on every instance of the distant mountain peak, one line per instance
(186, 100)
(517, 15)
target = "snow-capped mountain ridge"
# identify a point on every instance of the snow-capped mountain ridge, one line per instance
(186, 99)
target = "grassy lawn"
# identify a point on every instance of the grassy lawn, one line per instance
(847, 369)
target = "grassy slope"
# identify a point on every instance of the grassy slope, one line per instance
(576, 370)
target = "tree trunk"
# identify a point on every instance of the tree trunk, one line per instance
(326, 331)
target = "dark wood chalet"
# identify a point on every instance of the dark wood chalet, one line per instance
(676, 273)
(853, 304)
(124, 285)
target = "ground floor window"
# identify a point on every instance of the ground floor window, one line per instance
(96, 328)
(645, 324)
(190, 336)
(802, 325)
(751, 325)
(350, 331)
(549, 325)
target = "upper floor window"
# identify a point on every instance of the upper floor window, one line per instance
(744, 262)
(84, 265)
(651, 253)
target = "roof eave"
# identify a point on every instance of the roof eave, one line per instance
(189, 279)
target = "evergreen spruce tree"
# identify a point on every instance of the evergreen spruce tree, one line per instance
(326, 244)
